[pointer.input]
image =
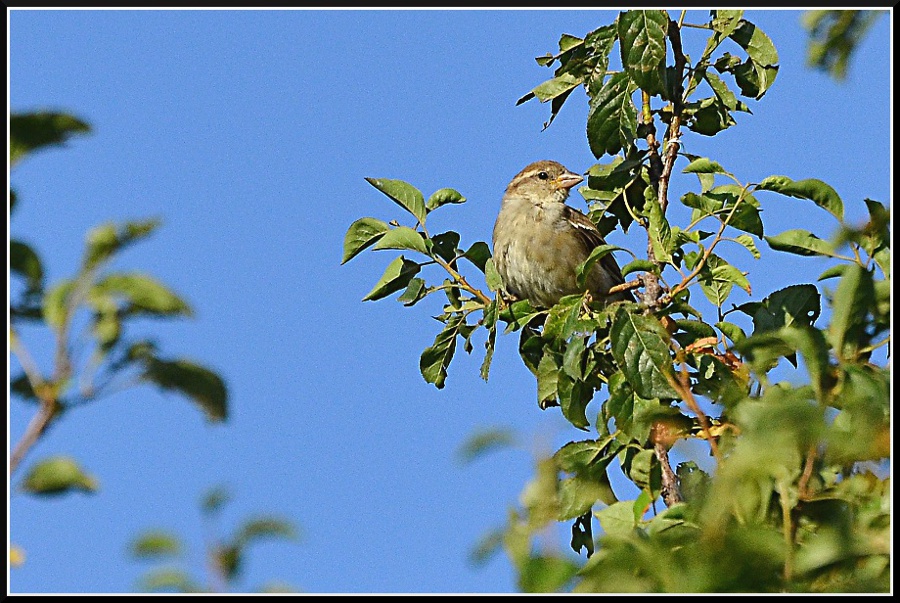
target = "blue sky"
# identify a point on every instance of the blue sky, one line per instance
(250, 133)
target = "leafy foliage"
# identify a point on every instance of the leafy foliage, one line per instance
(798, 499)
(225, 555)
(834, 36)
(109, 301)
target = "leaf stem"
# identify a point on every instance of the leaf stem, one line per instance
(700, 264)
(460, 279)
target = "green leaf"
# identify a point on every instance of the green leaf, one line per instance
(815, 190)
(658, 230)
(25, 262)
(832, 272)
(490, 320)
(156, 544)
(717, 278)
(56, 303)
(547, 379)
(801, 242)
(731, 331)
(640, 348)
(487, 547)
(796, 304)
(577, 495)
(105, 240)
(726, 97)
(58, 475)
(642, 40)
(723, 23)
(263, 527)
(414, 292)
(617, 519)
(556, 86)
(31, 131)
(704, 165)
(597, 253)
(545, 574)
(574, 396)
(492, 278)
(443, 197)
(748, 244)
(479, 253)
(612, 120)
(214, 499)
(361, 234)
(720, 202)
(396, 276)
(402, 237)
(436, 358)
(638, 266)
(708, 116)
(144, 294)
(403, 194)
(851, 303)
(483, 442)
(756, 75)
(201, 385)
(168, 580)
(445, 245)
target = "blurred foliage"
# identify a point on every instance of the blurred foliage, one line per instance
(788, 395)
(834, 35)
(58, 475)
(225, 555)
(90, 318)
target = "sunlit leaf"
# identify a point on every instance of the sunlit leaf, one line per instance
(144, 294)
(801, 242)
(156, 544)
(361, 234)
(396, 277)
(107, 239)
(403, 194)
(443, 197)
(260, 528)
(812, 189)
(58, 475)
(402, 237)
(642, 40)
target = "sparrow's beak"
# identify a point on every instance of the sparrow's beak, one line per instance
(567, 180)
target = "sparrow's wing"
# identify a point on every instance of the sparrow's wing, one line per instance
(592, 238)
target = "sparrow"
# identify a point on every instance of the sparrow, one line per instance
(539, 241)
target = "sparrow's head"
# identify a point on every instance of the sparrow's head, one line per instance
(542, 182)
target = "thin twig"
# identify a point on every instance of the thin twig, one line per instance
(49, 406)
(32, 372)
(803, 482)
(48, 410)
(458, 277)
(700, 264)
(669, 491)
(683, 386)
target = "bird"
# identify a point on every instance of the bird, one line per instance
(539, 241)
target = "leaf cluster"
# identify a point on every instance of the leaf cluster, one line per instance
(798, 499)
(90, 316)
(225, 555)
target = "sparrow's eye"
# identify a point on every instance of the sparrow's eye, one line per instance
(543, 175)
